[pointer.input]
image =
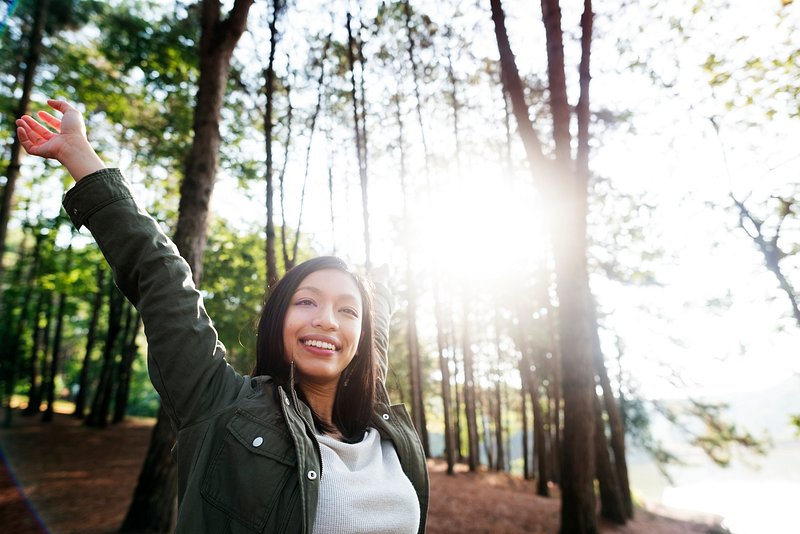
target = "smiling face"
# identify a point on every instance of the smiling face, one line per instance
(322, 326)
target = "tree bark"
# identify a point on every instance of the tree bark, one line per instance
(98, 416)
(617, 428)
(470, 407)
(412, 340)
(91, 336)
(37, 342)
(611, 505)
(561, 195)
(269, 89)
(55, 362)
(153, 504)
(161, 479)
(35, 399)
(444, 368)
(12, 171)
(129, 350)
(12, 352)
(360, 131)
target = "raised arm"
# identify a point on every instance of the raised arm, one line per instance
(382, 310)
(186, 360)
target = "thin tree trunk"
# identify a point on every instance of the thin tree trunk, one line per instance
(37, 343)
(459, 392)
(526, 459)
(153, 504)
(414, 359)
(98, 416)
(269, 86)
(498, 408)
(35, 401)
(485, 410)
(12, 171)
(287, 262)
(611, 505)
(55, 362)
(360, 131)
(539, 437)
(91, 336)
(617, 432)
(469, 395)
(444, 368)
(129, 350)
(14, 349)
(331, 204)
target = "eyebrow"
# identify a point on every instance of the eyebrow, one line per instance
(317, 291)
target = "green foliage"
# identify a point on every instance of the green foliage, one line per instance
(796, 422)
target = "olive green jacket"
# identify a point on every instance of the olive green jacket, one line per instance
(246, 452)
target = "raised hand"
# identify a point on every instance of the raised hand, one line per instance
(67, 144)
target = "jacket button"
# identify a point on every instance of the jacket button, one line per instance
(385, 417)
(287, 402)
(258, 441)
(312, 475)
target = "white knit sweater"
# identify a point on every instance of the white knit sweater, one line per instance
(363, 488)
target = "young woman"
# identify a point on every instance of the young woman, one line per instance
(309, 442)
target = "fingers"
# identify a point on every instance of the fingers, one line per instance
(25, 140)
(36, 128)
(59, 105)
(49, 119)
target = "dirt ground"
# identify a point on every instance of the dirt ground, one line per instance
(65, 478)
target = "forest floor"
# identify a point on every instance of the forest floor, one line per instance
(64, 478)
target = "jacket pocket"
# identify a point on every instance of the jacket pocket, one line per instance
(249, 470)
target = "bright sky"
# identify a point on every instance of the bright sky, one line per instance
(673, 160)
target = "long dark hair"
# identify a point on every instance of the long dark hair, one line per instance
(355, 394)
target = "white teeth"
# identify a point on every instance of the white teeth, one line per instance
(319, 344)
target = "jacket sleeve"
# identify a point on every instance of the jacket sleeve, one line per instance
(383, 305)
(186, 361)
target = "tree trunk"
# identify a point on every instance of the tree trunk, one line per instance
(485, 410)
(539, 434)
(611, 505)
(457, 431)
(153, 504)
(35, 400)
(360, 131)
(469, 395)
(526, 458)
(13, 350)
(55, 362)
(498, 404)
(161, 478)
(569, 251)
(37, 343)
(91, 335)
(98, 416)
(129, 350)
(414, 359)
(617, 432)
(269, 90)
(12, 171)
(444, 368)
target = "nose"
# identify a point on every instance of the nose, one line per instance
(325, 318)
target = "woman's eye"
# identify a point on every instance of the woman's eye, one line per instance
(350, 311)
(304, 302)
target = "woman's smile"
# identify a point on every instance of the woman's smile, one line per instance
(323, 326)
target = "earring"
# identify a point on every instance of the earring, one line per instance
(348, 374)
